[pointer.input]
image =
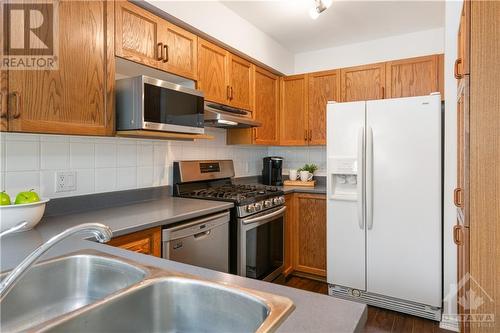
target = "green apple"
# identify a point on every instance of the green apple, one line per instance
(4, 199)
(27, 197)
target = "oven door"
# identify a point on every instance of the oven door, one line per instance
(261, 244)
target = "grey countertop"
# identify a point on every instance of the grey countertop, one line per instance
(313, 312)
(318, 189)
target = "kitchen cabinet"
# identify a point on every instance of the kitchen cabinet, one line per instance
(412, 77)
(266, 111)
(78, 97)
(362, 83)
(309, 246)
(150, 40)
(145, 241)
(224, 77)
(289, 234)
(293, 111)
(241, 82)
(212, 72)
(477, 195)
(322, 87)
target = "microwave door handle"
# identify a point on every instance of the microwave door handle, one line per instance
(265, 217)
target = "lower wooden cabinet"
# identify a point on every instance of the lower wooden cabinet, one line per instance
(305, 234)
(145, 241)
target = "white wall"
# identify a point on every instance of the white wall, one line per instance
(218, 21)
(452, 19)
(30, 161)
(384, 49)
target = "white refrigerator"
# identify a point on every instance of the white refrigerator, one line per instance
(384, 187)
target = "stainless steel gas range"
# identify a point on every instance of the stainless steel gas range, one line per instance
(256, 228)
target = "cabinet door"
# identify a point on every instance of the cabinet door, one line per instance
(310, 247)
(241, 78)
(293, 111)
(138, 36)
(212, 72)
(412, 77)
(461, 195)
(289, 234)
(146, 242)
(266, 109)
(323, 87)
(77, 98)
(363, 83)
(463, 56)
(181, 49)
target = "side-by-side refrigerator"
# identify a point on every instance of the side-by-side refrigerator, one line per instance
(385, 203)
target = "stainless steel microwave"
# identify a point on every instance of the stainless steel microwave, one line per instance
(146, 103)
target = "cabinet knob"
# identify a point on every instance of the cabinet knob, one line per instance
(456, 71)
(457, 235)
(165, 56)
(457, 197)
(159, 52)
(228, 92)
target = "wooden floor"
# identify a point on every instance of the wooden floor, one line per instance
(379, 320)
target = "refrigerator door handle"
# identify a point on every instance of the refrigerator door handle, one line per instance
(360, 180)
(369, 178)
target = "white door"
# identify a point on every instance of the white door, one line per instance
(403, 198)
(345, 213)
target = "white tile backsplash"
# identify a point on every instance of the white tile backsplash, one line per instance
(22, 155)
(54, 155)
(105, 164)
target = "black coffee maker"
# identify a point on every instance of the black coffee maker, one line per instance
(271, 172)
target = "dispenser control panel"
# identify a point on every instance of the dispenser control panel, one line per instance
(344, 178)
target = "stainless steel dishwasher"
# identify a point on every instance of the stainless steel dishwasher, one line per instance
(201, 242)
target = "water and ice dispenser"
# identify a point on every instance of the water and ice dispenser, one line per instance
(344, 178)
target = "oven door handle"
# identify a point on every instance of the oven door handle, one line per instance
(264, 217)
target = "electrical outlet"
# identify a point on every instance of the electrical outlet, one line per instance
(65, 181)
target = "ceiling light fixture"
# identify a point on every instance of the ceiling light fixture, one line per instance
(319, 7)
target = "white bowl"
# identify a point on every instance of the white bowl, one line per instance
(12, 215)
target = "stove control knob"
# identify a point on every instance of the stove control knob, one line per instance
(250, 208)
(282, 200)
(268, 203)
(276, 201)
(258, 206)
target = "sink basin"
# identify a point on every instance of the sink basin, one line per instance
(177, 304)
(62, 285)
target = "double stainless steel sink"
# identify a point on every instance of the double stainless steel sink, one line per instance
(94, 292)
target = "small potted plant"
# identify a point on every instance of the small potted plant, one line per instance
(311, 168)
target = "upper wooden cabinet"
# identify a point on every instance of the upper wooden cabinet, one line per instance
(323, 87)
(77, 98)
(412, 77)
(266, 108)
(213, 72)
(293, 111)
(146, 242)
(240, 80)
(363, 83)
(150, 40)
(224, 77)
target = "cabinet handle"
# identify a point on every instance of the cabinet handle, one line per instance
(3, 108)
(457, 235)
(310, 135)
(165, 58)
(457, 197)
(228, 92)
(305, 135)
(382, 89)
(159, 51)
(457, 74)
(17, 112)
(232, 95)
